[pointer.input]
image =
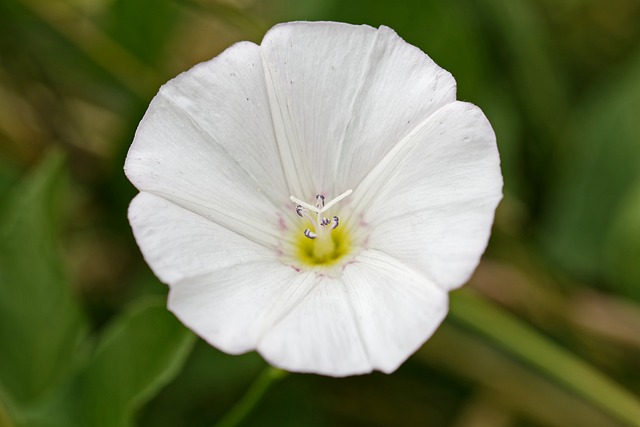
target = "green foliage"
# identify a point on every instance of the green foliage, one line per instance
(44, 378)
(526, 344)
(600, 171)
(622, 247)
(208, 376)
(41, 324)
(143, 27)
(138, 354)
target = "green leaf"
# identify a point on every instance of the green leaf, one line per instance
(139, 353)
(531, 347)
(209, 384)
(41, 324)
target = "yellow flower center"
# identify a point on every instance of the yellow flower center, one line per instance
(325, 241)
(323, 251)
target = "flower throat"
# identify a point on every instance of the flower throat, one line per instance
(325, 243)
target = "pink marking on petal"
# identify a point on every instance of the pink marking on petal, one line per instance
(282, 225)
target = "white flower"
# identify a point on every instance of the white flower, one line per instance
(325, 109)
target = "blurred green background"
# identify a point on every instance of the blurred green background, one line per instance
(547, 333)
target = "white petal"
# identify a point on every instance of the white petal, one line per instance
(373, 317)
(224, 287)
(207, 143)
(431, 202)
(342, 96)
(233, 308)
(397, 309)
(320, 335)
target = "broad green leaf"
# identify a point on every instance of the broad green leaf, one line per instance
(41, 324)
(209, 384)
(138, 354)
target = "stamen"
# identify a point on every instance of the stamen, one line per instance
(303, 208)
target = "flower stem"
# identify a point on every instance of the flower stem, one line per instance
(256, 391)
(531, 347)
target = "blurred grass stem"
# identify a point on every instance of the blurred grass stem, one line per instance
(256, 391)
(534, 349)
(123, 65)
(232, 13)
(5, 421)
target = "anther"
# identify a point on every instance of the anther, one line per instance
(299, 210)
(334, 222)
(325, 221)
(320, 201)
(310, 234)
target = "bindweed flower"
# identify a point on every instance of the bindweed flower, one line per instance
(314, 198)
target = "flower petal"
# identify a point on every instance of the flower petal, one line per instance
(207, 143)
(373, 317)
(430, 203)
(396, 308)
(227, 289)
(320, 335)
(342, 96)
